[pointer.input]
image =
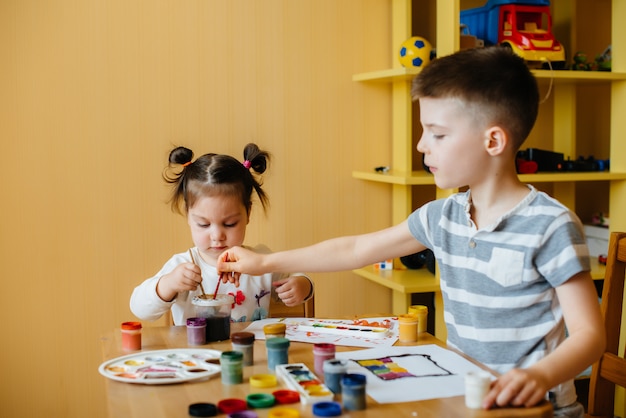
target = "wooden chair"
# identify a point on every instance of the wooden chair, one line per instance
(610, 370)
(279, 310)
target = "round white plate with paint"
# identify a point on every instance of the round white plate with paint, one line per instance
(160, 367)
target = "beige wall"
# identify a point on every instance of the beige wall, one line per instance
(94, 94)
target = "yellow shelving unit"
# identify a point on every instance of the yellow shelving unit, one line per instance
(402, 177)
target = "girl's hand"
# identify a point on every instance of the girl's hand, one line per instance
(185, 277)
(518, 387)
(293, 290)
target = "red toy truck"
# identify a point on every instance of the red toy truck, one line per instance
(525, 26)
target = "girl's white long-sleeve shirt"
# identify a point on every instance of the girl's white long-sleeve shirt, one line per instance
(251, 298)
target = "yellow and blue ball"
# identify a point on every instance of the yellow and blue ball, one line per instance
(415, 52)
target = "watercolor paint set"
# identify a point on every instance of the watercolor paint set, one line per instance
(344, 329)
(159, 367)
(298, 377)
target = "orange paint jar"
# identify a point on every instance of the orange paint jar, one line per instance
(131, 335)
(407, 324)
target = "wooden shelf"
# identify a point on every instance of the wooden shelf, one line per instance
(401, 280)
(423, 178)
(559, 76)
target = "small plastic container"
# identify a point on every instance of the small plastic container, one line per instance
(202, 410)
(217, 313)
(422, 316)
(407, 326)
(131, 335)
(244, 342)
(232, 367)
(334, 370)
(277, 352)
(353, 391)
(196, 331)
(476, 388)
(321, 353)
(276, 330)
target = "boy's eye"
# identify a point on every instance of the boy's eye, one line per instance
(436, 136)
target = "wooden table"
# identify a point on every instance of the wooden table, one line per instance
(129, 400)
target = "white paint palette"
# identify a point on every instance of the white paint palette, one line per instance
(159, 367)
(298, 377)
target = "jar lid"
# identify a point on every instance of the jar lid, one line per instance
(202, 410)
(263, 380)
(244, 414)
(408, 318)
(277, 328)
(418, 309)
(286, 396)
(196, 322)
(327, 409)
(353, 379)
(232, 355)
(133, 325)
(277, 342)
(242, 337)
(232, 405)
(283, 412)
(324, 347)
(335, 366)
(260, 400)
(209, 300)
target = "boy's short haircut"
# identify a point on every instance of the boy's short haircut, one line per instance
(493, 81)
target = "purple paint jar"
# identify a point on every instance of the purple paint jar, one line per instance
(196, 331)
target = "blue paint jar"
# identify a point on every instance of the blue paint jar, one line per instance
(277, 352)
(353, 391)
(334, 369)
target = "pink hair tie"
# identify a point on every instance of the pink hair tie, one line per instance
(247, 164)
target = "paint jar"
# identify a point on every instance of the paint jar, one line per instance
(407, 324)
(322, 352)
(476, 388)
(422, 316)
(277, 352)
(283, 412)
(202, 410)
(231, 363)
(244, 342)
(131, 335)
(196, 331)
(353, 391)
(217, 313)
(276, 330)
(334, 370)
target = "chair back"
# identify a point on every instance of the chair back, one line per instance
(610, 370)
(279, 310)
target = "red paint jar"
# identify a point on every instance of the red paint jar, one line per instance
(321, 353)
(131, 335)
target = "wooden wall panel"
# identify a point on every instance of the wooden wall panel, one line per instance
(95, 94)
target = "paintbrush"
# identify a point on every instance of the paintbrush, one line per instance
(219, 279)
(194, 261)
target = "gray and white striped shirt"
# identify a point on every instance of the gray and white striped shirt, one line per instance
(498, 282)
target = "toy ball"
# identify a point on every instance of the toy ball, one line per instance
(415, 52)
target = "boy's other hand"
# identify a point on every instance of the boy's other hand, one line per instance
(518, 387)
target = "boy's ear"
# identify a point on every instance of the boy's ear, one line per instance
(496, 140)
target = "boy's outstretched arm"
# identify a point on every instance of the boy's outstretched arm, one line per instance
(584, 345)
(338, 254)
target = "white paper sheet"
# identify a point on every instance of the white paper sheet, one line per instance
(436, 372)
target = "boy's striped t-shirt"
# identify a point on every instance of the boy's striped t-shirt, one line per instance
(498, 282)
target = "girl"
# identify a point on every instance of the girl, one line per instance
(214, 192)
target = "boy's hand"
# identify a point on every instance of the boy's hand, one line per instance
(236, 260)
(518, 387)
(293, 290)
(185, 277)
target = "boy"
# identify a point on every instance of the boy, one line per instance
(514, 264)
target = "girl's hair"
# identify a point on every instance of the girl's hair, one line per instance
(215, 174)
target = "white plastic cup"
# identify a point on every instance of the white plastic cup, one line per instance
(476, 388)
